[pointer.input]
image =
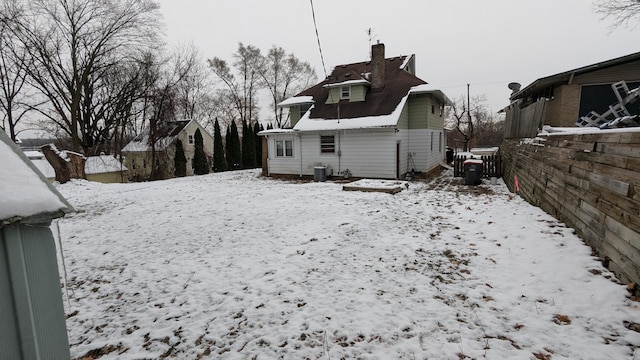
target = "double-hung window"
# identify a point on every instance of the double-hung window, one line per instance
(284, 148)
(345, 92)
(327, 144)
(191, 140)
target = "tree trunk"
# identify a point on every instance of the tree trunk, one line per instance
(71, 167)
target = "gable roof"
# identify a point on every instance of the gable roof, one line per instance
(566, 76)
(166, 136)
(380, 101)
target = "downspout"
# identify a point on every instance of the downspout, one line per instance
(339, 147)
(300, 144)
(266, 138)
(339, 154)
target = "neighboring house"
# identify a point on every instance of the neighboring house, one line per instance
(369, 119)
(103, 168)
(562, 99)
(138, 152)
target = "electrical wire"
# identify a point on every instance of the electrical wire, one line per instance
(315, 25)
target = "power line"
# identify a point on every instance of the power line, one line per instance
(313, 12)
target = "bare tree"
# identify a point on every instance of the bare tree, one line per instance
(195, 88)
(14, 61)
(466, 118)
(284, 75)
(74, 45)
(243, 88)
(161, 102)
(623, 12)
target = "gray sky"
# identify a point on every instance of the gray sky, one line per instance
(486, 43)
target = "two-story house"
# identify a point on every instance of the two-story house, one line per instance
(368, 119)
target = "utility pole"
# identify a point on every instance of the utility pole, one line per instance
(470, 124)
(468, 105)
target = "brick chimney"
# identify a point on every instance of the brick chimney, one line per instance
(378, 66)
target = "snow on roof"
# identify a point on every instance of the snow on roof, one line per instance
(276, 131)
(34, 154)
(348, 82)
(296, 100)
(44, 167)
(103, 164)
(25, 192)
(169, 133)
(430, 89)
(317, 124)
(406, 61)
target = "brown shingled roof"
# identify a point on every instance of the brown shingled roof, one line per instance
(380, 101)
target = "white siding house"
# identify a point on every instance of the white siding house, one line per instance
(360, 125)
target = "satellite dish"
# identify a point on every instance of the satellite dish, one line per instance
(514, 86)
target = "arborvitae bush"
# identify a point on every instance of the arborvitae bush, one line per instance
(248, 147)
(200, 163)
(234, 154)
(219, 160)
(180, 161)
(258, 142)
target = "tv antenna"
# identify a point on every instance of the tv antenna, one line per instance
(370, 36)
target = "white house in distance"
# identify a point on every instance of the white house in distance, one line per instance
(138, 151)
(370, 119)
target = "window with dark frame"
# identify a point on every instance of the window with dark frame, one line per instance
(327, 144)
(303, 109)
(284, 148)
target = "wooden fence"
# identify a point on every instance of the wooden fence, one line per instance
(491, 165)
(589, 181)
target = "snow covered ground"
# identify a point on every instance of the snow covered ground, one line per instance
(237, 266)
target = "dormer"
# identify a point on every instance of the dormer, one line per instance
(298, 106)
(349, 90)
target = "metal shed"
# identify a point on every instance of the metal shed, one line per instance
(32, 320)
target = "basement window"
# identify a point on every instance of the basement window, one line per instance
(327, 144)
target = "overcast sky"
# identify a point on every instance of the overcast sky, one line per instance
(487, 44)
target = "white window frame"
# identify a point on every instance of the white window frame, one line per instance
(190, 139)
(345, 92)
(285, 151)
(326, 146)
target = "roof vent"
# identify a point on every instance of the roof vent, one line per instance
(514, 87)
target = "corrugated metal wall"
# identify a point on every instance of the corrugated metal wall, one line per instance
(31, 302)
